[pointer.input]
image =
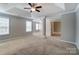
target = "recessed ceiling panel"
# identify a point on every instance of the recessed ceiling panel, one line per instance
(46, 10)
(19, 12)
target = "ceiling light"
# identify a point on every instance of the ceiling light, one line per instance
(33, 9)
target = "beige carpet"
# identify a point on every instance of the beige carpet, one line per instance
(47, 47)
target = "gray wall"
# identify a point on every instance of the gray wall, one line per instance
(68, 27)
(77, 28)
(17, 27)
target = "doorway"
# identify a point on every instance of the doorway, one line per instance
(56, 28)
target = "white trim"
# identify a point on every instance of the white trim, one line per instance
(69, 42)
(67, 12)
(76, 9)
(77, 46)
(63, 13)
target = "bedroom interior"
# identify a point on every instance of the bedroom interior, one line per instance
(39, 28)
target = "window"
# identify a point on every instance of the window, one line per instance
(37, 26)
(28, 26)
(4, 26)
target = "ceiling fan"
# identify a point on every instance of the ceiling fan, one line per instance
(33, 7)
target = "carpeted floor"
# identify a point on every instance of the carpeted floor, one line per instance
(48, 47)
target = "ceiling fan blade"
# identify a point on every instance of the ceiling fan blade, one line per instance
(27, 8)
(30, 4)
(37, 10)
(39, 7)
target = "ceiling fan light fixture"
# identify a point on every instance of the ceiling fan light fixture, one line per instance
(33, 9)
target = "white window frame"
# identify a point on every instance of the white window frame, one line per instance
(28, 26)
(5, 24)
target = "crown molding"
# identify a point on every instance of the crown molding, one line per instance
(71, 11)
(67, 12)
(63, 13)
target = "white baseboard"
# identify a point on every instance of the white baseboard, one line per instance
(77, 46)
(69, 42)
(66, 41)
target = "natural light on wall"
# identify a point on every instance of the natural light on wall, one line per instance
(28, 26)
(4, 26)
(37, 26)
